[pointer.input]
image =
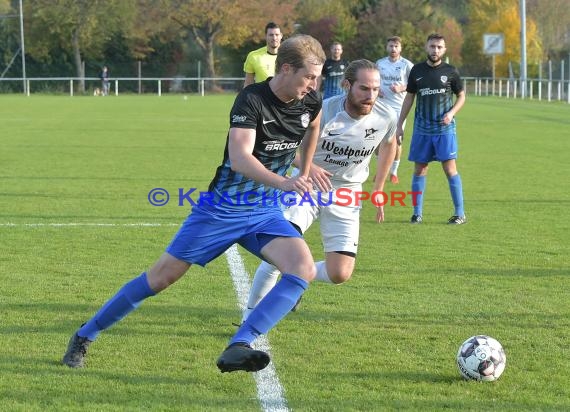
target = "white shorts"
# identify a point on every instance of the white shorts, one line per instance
(340, 225)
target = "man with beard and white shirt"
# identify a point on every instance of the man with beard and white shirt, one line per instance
(353, 126)
(394, 73)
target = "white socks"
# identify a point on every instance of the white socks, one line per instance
(322, 275)
(394, 167)
(263, 281)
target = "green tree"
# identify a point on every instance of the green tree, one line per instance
(81, 27)
(9, 36)
(228, 23)
(412, 20)
(553, 22)
(328, 21)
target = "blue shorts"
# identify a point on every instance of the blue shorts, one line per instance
(209, 231)
(426, 148)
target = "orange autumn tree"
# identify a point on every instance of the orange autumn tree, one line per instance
(509, 23)
(500, 16)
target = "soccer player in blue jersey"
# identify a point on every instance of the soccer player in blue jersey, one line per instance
(268, 122)
(333, 72)
(434, 138)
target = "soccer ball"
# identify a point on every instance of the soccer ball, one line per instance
(481, 358)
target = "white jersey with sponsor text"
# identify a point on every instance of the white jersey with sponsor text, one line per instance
(346, 145)
(390, 73)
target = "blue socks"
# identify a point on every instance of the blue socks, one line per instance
(456, 189)
(419, 185)
(127, 299)
(272, 308)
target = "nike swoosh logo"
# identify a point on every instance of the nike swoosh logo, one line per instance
(268, 121)
(334, 134)
(452, 153)
(419, 78)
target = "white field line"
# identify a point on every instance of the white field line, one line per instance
(269, 390)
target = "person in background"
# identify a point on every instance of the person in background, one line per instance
(394, 72)
(105, 82)
(333, 72)
(260, 64)
(434, 82)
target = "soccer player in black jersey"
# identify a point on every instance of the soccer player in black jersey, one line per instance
(434, 83)
(268, 122)
(333, 72)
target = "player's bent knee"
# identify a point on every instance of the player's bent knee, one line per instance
(165, 272)
(340, 276)
(305, 270)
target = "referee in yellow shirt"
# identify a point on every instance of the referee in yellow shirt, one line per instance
(260, 63)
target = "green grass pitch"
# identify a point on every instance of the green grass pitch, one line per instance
(386, 340)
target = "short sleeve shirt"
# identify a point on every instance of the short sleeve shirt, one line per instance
(434, 88)
(390, 73)
(333, 73)
(346, 145)
(279, 127)
(261, 63)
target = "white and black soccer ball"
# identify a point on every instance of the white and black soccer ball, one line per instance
(481, 358)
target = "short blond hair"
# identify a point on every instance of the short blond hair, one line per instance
(299, 49)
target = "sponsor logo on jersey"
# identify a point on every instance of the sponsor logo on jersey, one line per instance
(395, 78)
(332, 147)
(370, 133)
(268, 121)
(427, 91)
(271, 146)
(236, 118)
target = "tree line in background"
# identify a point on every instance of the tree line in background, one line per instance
(167, 38)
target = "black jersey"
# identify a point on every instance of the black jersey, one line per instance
(333, 73)
(434, 88)
(279, 129)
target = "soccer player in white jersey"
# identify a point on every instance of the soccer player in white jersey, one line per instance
(353, 126)
(394, 73)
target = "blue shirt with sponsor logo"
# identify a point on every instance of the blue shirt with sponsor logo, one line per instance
(434, 88)
(279, 128)
(333, 73)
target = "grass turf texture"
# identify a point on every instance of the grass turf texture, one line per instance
(386, 340)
